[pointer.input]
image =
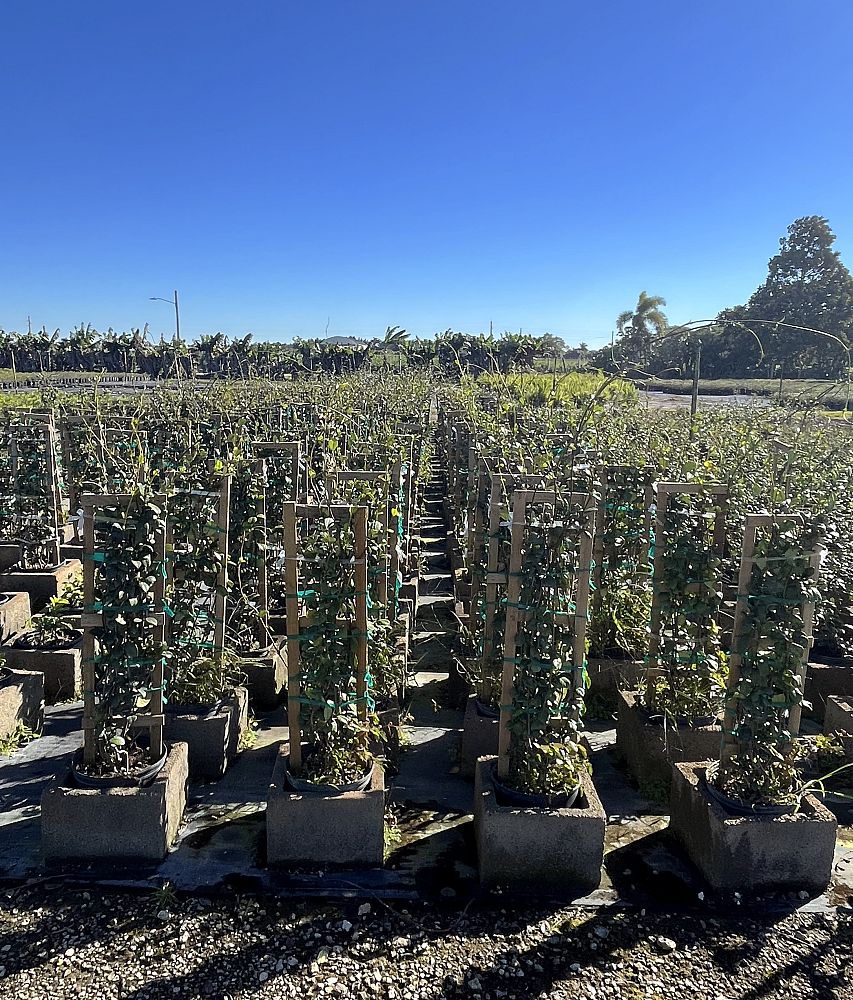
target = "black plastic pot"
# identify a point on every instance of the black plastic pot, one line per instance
(486, 711)
(305, 787)
(507, 796)
(141, 780)
(829, 659)
(683, 721)
(24, 642)
(737, 807)
(205, 711)
(41, 569)
(260, 654)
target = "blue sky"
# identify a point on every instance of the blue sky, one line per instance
(436, 164)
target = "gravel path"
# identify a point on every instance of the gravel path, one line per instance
(57, 943)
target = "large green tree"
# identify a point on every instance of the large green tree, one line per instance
(807, 285)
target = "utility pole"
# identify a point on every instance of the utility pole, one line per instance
(176, 343)
(694, 398)
(173, 302)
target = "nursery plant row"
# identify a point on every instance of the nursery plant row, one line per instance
(187, 555)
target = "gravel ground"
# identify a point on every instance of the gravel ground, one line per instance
(56, 942)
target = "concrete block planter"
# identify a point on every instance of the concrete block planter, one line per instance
(21, 700)
(823, 679)
(650, 751)
(333, 829)
(839, 719)
(71, 550)
(266, 678)
(479, 738)
(212, 736)
(409, 592)
(537, 849)
(15, 613)
(41, 585)
(751, 853)
(10, 555)
(61, 669)
(608, 675)
(115, 824)
(277, 623)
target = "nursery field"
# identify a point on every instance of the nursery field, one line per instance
(518, 679)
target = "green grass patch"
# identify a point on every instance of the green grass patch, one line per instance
(832, 395)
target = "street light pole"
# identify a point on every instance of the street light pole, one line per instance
(177, 341)
(173, 302)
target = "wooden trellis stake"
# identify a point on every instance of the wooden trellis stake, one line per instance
(152, 718)
(521, 500)
(357, 516)
(753, 524)
(606, 479)
(28, 505)
(223, 511)
(478, 526)
(386, 580)
(260, 511)
(719, 493)
(501, 488)
(298, 467)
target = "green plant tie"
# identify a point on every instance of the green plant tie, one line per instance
(770, 599)
(150, 662)
(99, 607)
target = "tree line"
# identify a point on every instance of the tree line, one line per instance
(797, 323)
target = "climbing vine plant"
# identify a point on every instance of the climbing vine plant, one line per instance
(687, 664)
(545, 650)
(329, 700)
(246, 620)
(622, 597)
(195, 593)
(772, 639)
(126, 649)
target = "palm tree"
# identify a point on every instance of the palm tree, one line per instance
(395, 336)
(635, 327)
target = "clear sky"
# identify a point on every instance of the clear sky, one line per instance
(288, 164)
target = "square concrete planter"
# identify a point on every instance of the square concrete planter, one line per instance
(751, 853)
(277, 624)
(115, 824)
(650, 750)
(15, 614)
(41, 585)
(71, 550)
(479, 738)
(21, 700)
(409, 593)
(61, 669)
(266, 679)
(212, 737)
(839, 719)
(826, 679)
(347, 829)
(537, 849)
(609, 675)
(10, 555)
